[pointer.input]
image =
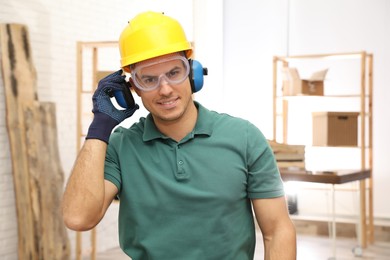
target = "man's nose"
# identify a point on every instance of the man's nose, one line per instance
(163, 80)
(164, 87)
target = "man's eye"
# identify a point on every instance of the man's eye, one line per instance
(173, 73)
(149, 80)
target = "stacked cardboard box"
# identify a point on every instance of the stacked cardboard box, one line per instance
(288, 156)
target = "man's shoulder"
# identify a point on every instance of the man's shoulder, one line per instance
(136, 129)
(226, 118)
(223, 116)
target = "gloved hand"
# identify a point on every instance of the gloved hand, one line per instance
(106, 116)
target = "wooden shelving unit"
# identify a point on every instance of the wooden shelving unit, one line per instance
(362, 96)
(87, 65)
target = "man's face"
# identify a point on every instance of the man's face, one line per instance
(163, 85)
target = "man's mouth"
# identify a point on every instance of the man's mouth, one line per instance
(168, 103)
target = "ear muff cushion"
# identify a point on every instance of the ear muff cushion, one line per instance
(196, 75)
(124, 97)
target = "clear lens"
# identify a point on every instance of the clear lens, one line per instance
(148, 76)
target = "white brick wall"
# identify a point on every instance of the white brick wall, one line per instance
(54, 28)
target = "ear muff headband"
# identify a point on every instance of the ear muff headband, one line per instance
(196, 75)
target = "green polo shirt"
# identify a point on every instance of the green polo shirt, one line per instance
(190, 199)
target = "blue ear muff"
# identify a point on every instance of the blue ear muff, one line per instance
(196, 75)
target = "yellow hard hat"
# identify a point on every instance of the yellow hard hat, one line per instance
(149, 35)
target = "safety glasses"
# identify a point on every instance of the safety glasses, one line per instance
(148, 76)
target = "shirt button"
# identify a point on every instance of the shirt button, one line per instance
(181, 162)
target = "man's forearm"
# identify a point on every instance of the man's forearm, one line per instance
(282, 245)
(84, 194)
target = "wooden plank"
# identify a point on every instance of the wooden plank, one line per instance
(19, 78)
(101, 44)
(343, 55)
(38, 178)
(370, 58)
(46, 180)
(79, 127)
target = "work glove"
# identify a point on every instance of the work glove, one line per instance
(106, 116)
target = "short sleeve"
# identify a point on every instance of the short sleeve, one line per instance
(264, 180)
(112, 171)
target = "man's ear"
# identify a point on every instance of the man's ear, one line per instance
(126, 69)
(136, 90)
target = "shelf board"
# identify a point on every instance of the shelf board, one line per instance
(325, 96)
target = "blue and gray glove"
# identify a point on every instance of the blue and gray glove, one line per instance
(106, 116)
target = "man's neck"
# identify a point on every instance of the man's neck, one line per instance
(179, 128)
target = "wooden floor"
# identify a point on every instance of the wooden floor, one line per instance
(309, 248)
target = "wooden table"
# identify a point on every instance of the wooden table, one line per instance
(330, 177)
(333, 178)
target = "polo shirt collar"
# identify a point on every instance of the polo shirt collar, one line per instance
(203, 126)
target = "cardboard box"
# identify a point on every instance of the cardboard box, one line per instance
(287, 155)
(293, 85)
(335, 128)
(287, 152)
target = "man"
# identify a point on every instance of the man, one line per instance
(187, 178)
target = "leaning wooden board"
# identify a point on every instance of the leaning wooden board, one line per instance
(34, 226)
(46, 180)
(18, 76)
